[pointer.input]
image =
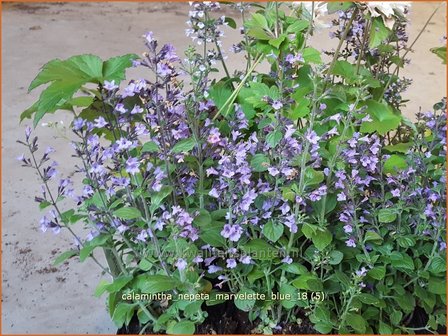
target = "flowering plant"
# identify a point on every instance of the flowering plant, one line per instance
(301, 193)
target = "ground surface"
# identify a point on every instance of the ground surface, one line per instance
(38, 298)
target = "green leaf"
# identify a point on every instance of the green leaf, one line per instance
(335, 257)
(401, 260)
(311, 55)
(260, 20)
(158, 197)
(88, 248)
(276, 42)
(274, 138)
(321, 239)
(372, 236)
(335, 6)
(368, 299)
(259, 163)
(378, 32)
(394, 164)
(212, 235)
(357, 322)
(203, 219)
(301, 110)
(385, 329)
(123, 313)
(242, 304)
(407, 241)
(157, 283)
(182, 328)
(260, 249)
(118, 283)
(127, 213)
(184, 146)
(440, 52)
(438, 265)
(344, 69)
(387, 215)
(64, 256)
(437, 286)
(308, 282)
(402, 147)
(150, 147)
(220, 94)
(286, 289)
(114, 68)
(273, 230)
(377, 272)
(294, 268)
(383, 119)
(297, 26)
(145, 265)
(230, 22)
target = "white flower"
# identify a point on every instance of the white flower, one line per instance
(387, 10)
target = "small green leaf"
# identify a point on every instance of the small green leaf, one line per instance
(335, 257)
(440, 52)
(260, 249)
(274, 138)
(127, 213)
(273, 230)
(378, 32)
(150, 147)
(243, 304)
(385, 329)
(182, 328)
(259, 163)
(297, 26)
(64, 256)
(184, 146)
(387, 215)
(357, 322)
(157, 283)
(321, 239)
(311, 55)
(394, 164)
(377, 272)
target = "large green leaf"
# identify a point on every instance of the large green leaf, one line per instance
(66, 77)
(383, 119)
(157, 283)
(378, 32)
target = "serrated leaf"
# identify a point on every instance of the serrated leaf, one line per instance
(114, 68)
(394, 164)
(152, 284)
(311, 55)
(387, 215)
(150, 147)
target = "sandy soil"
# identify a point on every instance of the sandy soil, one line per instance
(38, 298)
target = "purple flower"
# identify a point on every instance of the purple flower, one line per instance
(109, 86)
(120, 108)
(350, 242)
(362, 272)
(214, 193)
(214, 136)
(277, 105)
(149, 37)
(322, 106)
(231, 263)
(163, 69)
(248, 198)
(341, 197)
(136, 110)
(246, 260)
(100, 122)
(181, 264)
(287, 260)
(273, 171)
(232, 232)
(396, 192)
(198, 259)
(123, 144)
(348, 228)
(214, 269)
(132, 166)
